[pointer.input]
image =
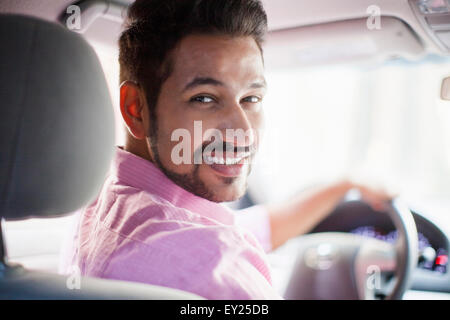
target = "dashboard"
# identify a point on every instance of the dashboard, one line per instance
(434, 258)
(432, 273)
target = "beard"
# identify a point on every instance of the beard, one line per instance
(191, 181)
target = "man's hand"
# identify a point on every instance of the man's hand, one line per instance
(377, 198)
(303, 212)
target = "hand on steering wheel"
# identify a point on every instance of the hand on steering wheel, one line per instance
(334, 265)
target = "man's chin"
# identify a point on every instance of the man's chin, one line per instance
(223, 188)
(221, 198)
(228, 192)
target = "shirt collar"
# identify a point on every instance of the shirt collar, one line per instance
(138, 172)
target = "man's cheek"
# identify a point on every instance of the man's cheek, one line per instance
(175, 155)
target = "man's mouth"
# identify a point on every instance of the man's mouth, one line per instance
(227, 164)
(227, 159)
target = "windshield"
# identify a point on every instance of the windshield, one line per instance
(383, 124)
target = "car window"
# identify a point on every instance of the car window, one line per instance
(383, 123)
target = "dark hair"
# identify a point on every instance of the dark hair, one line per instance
(154, 27)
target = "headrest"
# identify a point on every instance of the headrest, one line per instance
(56, 119)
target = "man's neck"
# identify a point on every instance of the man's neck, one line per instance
(137, 147)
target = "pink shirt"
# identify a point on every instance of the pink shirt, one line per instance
(145, 228)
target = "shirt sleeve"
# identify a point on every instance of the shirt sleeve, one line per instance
(224, 267)
(256, 220)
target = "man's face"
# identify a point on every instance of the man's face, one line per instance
(218, 82)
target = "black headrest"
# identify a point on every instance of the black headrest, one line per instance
(56, 119)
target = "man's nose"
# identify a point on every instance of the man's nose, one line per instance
(236, 127)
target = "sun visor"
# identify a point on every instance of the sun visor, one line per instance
(342, 42)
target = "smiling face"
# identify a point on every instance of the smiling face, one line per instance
(218, 81)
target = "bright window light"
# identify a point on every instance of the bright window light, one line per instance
(384, 125)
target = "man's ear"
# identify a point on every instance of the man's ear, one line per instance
(132, 109)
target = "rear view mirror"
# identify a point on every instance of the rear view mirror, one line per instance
(445, 89)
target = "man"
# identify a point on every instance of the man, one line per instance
(189, 66)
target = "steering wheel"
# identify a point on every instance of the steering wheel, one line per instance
(337, 265)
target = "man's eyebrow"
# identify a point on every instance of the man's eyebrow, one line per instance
(259, 84)
(202, 81)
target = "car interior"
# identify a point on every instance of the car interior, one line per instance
(356, 87)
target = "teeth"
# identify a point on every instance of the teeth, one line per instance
(227, 161)
(232, 160)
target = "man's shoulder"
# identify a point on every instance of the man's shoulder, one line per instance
(188, 256)
(141, 216)
(136, 228)
(162, 236)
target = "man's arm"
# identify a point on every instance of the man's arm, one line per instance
(303, 212)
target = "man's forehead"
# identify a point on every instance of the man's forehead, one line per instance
(218, 57)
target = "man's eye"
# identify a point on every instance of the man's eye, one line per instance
(202, 99)
(252, 99)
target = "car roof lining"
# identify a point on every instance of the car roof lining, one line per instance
(283, 14)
